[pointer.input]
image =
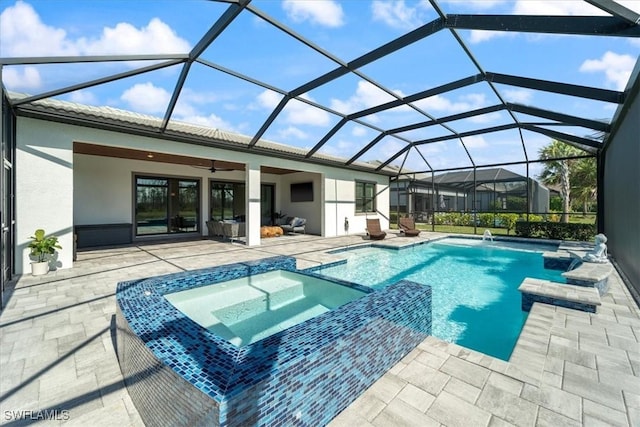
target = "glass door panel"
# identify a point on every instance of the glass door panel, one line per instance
(267, 192)
(188, 206)
(151, 206)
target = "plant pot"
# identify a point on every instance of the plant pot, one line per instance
(39, 268)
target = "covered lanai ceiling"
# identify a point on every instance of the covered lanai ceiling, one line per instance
(409, 86)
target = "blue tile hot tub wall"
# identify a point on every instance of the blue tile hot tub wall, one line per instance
(306, 374)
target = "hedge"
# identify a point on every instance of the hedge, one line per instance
(556, 230)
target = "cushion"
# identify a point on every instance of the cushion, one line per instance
(298, 222)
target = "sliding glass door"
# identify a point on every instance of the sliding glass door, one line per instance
(166, 205)
(227, 201)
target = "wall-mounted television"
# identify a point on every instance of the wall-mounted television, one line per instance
(302, 192)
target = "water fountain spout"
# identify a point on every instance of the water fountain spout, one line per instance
(487, 235)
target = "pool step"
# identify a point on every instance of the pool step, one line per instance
(269, 322)
(560, 294)
(237, 300)
(235, 305)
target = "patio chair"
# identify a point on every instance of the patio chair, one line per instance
(373, 229)
(294, 225)
(215, 228)
(408, 227)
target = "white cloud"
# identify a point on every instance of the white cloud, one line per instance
(476, 141)
(22, 33)
(396, 14)
(125, 39)
(292, 132)
(23, 78)
(296, 112)
(84, 97)
(479, 36)
(617, 68)
(268, 99)
(339, 148)
(211, 120)
(300, 113)
(522, 96)
(327, 13)
(366, 95)
(440, 103)
(359, 131)
(147, 98)
(389, 147)
(555, 7)
(478, 4)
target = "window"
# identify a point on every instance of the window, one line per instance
(365, 196)
(227, 201)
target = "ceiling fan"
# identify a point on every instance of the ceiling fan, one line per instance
(213, 168)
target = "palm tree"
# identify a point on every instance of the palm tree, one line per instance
(584, 182)
(558, 172)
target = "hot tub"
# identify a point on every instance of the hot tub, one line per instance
(178, 372)
(251, 308)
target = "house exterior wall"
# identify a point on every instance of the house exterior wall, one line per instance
(44, 188)
(57, 189)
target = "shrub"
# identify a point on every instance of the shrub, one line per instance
(556, 230)
(508, 221)
(518, 204)
(485, 220)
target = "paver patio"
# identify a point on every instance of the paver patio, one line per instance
(568, 368)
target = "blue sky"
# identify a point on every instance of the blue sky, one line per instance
(347, 30)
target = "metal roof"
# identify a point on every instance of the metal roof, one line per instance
(616, 22)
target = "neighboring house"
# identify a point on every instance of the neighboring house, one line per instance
(490, 190)
(107, 176)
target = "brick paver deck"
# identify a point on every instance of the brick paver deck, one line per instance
(568, 368)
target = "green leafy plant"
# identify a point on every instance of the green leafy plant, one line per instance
(43, 246)
(508, 220)
(556, 230)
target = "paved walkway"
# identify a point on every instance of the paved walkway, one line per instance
(569, 368)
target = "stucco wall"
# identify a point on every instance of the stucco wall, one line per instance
(622, 193)
(57, 189)
(44, 189)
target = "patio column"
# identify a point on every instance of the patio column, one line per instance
(252, 182)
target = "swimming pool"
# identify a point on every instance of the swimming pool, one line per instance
(476, 302)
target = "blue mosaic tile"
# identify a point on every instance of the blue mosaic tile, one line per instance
(305, 374)
(561, 264)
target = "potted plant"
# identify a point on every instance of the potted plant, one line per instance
(277, 217)
(42, 247)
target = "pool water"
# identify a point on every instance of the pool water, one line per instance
(476, 302)
(251, 308)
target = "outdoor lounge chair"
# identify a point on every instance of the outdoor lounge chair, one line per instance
(294, 225)
(373, 229)
(408, 227)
